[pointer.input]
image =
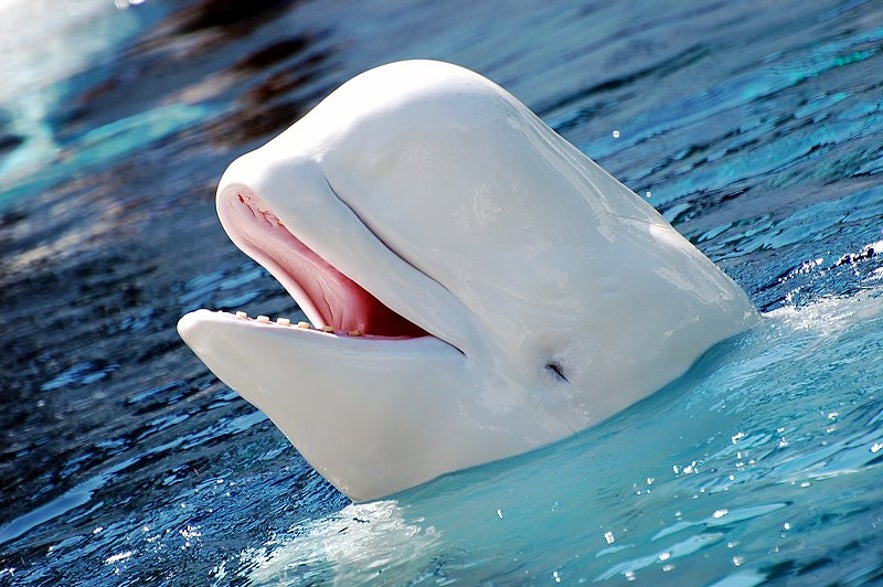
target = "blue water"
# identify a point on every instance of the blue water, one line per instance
(756, 128)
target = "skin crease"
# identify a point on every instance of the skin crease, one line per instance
(507, 290)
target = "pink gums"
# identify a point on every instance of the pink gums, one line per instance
(341, 302)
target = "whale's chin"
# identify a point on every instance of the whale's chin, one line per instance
(333, 302)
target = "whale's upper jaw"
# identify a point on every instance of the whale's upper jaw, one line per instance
(334, 303)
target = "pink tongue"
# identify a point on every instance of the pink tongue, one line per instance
(341, 302)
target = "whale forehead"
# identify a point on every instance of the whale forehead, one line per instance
(445, 162)
(464, 182)
(419, 140)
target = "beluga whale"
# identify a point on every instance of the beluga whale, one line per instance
(476, 287)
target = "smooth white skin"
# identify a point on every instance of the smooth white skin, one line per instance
(448, 200)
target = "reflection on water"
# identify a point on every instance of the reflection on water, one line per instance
(753, 127)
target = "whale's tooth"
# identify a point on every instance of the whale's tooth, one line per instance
(355, 332)
(241, 314)
(283, 321)
(328, 329)
(304, 325)
(263, 318)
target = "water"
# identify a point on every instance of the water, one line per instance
(755, 128)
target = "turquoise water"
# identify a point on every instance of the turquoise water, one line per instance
(754, 127)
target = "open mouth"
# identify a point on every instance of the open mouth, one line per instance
(333, 302)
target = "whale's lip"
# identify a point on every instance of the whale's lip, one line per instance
(334, 303)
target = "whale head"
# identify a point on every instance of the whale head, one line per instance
(476, 286)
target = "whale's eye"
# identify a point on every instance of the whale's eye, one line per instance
(556, 369)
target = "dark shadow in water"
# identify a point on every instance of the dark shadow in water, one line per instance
(236, 17)
(9, 141)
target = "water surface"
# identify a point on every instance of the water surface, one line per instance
(754, 127)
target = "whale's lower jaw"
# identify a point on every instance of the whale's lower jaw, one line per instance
(374, 415)
(378, 415)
